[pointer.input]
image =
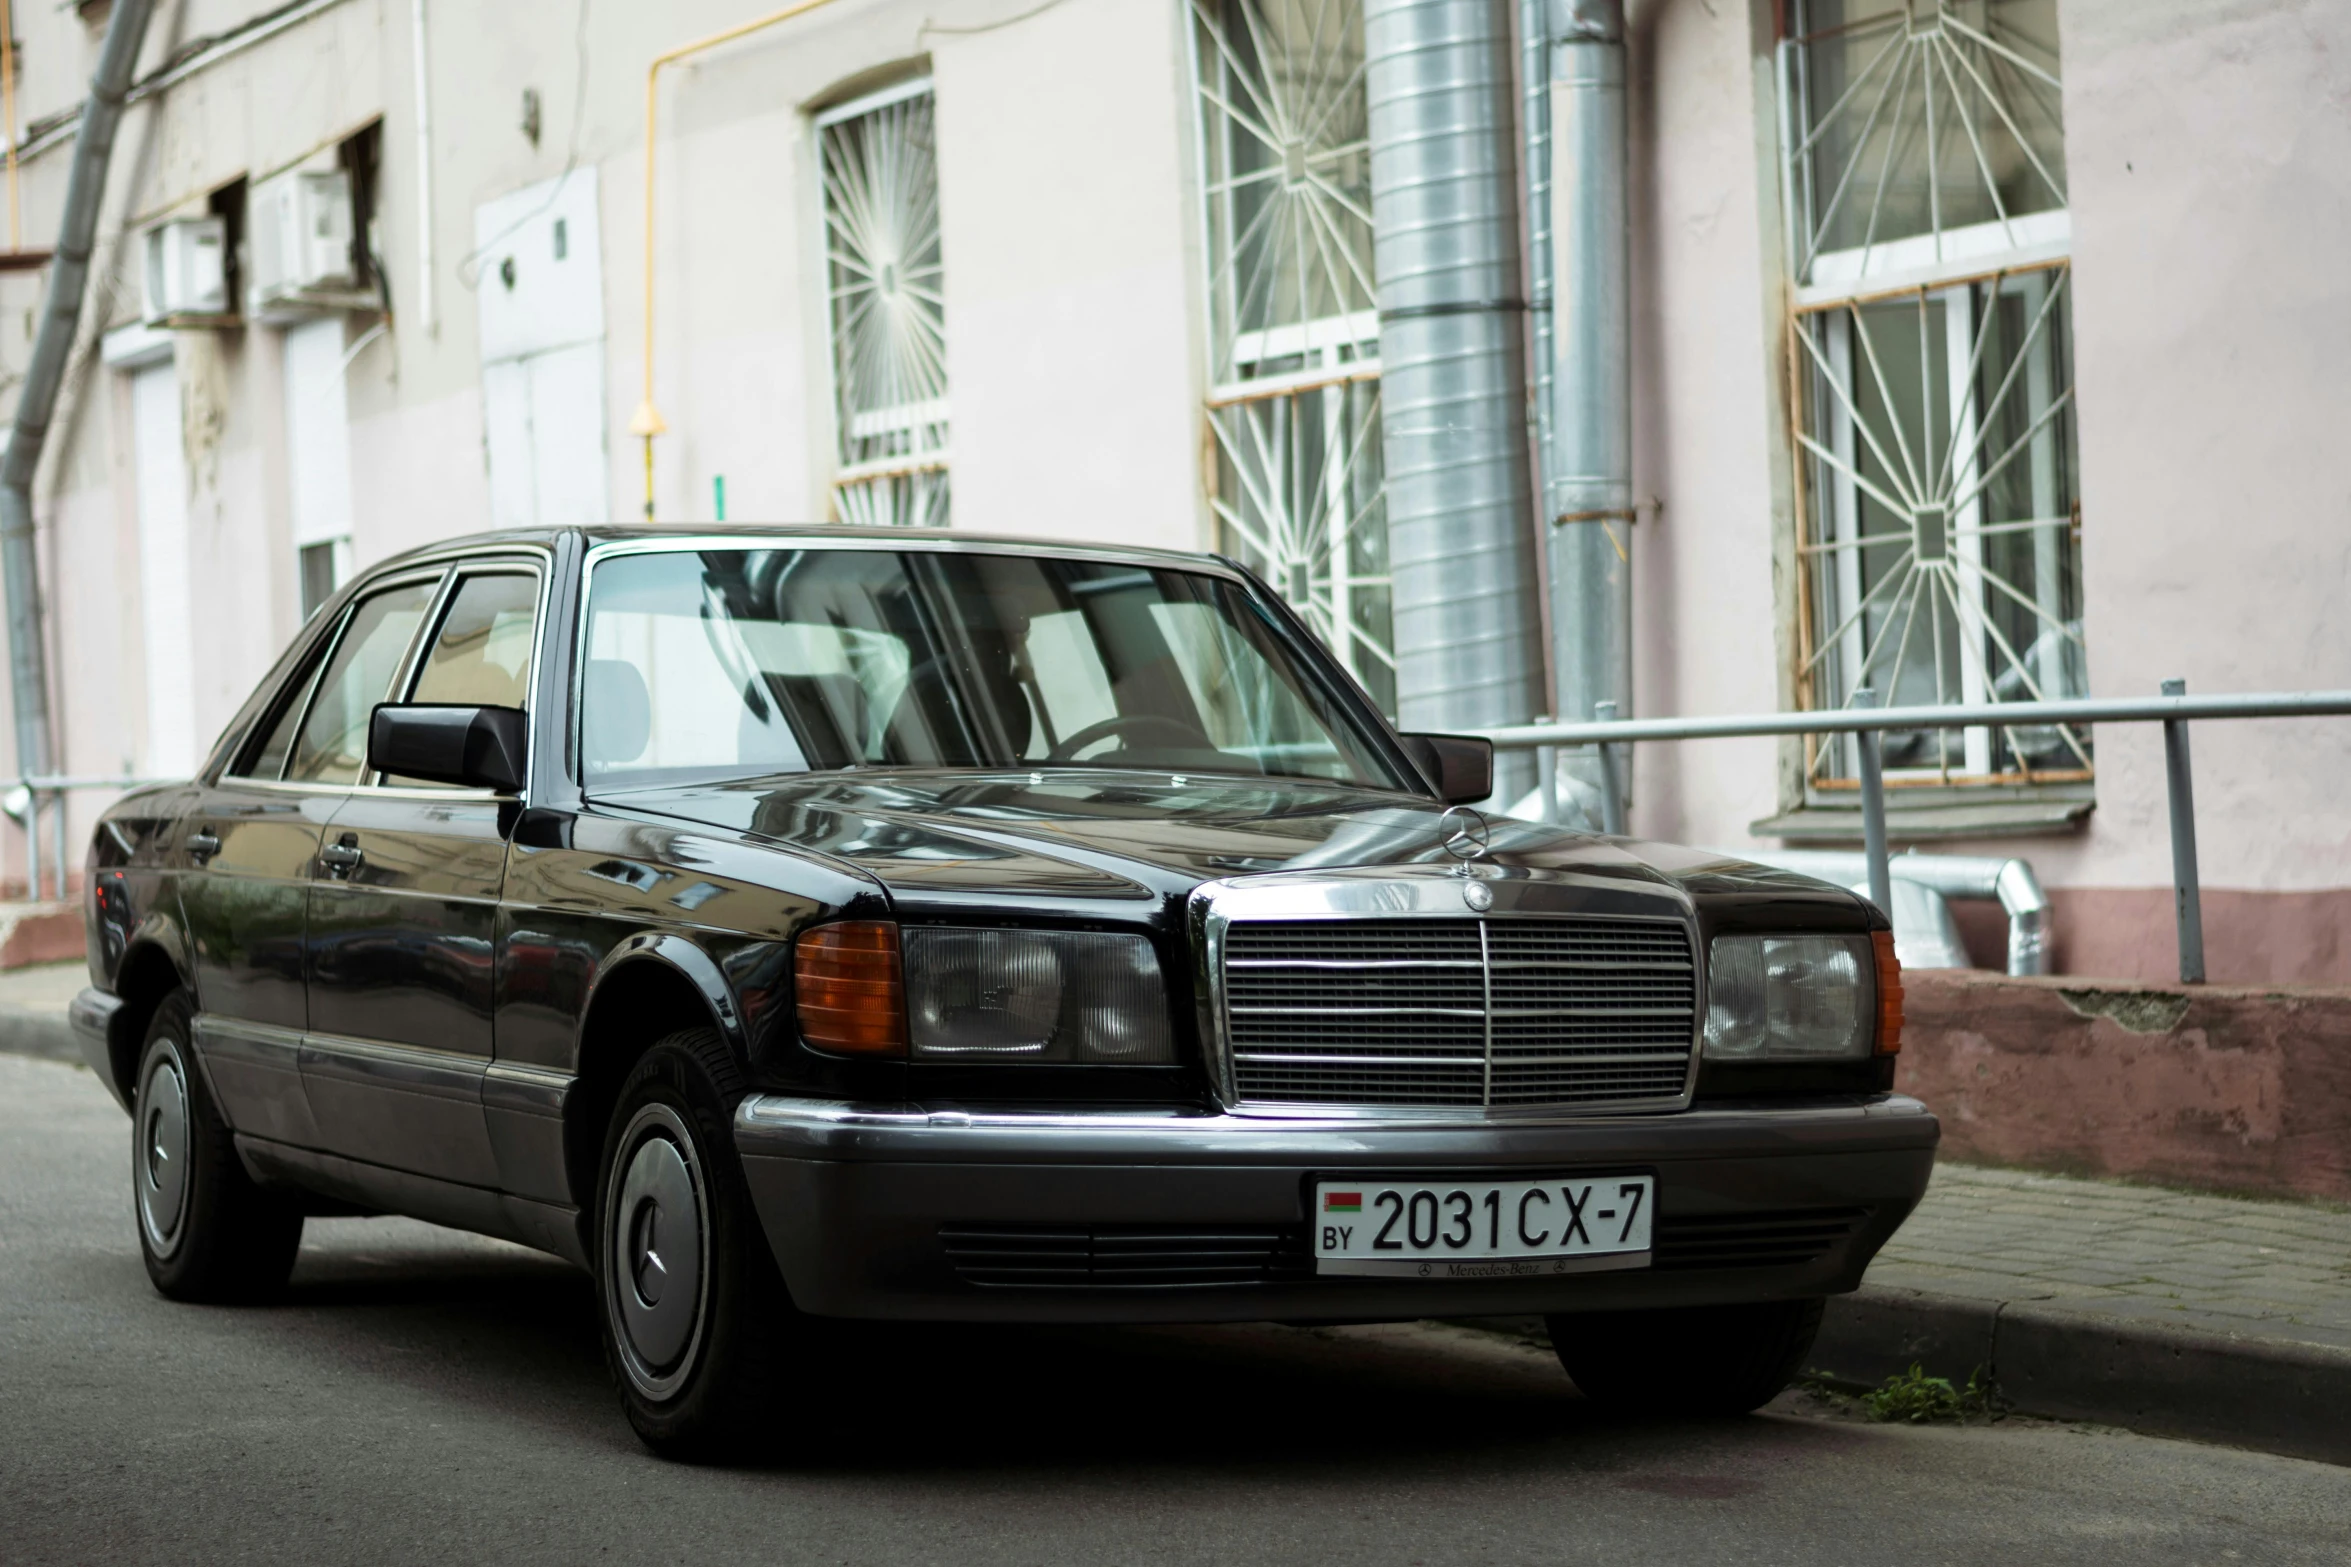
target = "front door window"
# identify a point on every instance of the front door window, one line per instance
(332, 746)
(481, 656)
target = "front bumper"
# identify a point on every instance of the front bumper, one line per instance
(871, 1210)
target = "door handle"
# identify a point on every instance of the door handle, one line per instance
(203, 844)
(341, 858)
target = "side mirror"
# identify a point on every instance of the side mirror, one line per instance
(473, 747)
(1460, 768)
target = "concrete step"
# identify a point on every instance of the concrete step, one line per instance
(35, 933)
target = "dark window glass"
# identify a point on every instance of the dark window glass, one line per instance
(740, 662)
(481, 656)
(268, 760)
(332, 747)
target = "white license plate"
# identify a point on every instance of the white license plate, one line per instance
(1483, 1229)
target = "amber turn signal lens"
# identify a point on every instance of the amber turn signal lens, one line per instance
(1889, 994)
(847, 980)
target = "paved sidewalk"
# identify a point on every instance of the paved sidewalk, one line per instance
(2223, 1264)
(2225, 1319)
(32, 1009)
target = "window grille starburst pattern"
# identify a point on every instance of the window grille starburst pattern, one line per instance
(1293, 312)
(1298, 497)
(1942, 539)
(886, 280)
(1932, 376)
(1924, 132)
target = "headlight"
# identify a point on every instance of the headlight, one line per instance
(1026, 995)
(1789, 998)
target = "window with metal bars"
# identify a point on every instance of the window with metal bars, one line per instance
(885, 282)
(1293, 407)
(1931, 367)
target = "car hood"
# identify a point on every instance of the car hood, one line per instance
(1087, 833)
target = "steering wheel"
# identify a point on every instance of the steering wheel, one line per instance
(1122, 723)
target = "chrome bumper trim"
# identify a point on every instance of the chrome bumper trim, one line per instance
(778, 1125)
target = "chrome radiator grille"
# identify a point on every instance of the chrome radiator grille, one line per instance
(1477, 1013)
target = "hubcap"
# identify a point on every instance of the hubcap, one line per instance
(659, 1241)
(160, 1156)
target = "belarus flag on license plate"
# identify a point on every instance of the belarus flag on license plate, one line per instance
(1342, 1202)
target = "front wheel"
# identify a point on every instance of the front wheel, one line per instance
(206, 1231)
(694, 1311)
(1695, 1360)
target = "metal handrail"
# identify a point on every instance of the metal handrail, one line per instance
(55, 786)
(2174, 709)
(1979, 715)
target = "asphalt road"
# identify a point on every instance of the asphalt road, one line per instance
(426, 1396)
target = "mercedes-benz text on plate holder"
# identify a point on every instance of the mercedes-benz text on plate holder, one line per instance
(1483, 1229)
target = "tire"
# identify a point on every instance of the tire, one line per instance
(695, 1315)
(1699, 1360)
(206, 1231)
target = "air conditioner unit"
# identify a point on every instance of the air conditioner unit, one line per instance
(298, 226)
(186, 272)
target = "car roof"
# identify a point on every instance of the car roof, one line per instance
(809, 533)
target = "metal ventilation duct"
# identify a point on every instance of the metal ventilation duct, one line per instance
(1452, 366)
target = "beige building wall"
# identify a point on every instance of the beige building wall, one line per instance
(1072, 320)
(2210, 173)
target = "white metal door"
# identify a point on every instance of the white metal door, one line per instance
(318, 451)
(567, 434)
(544, 416)
(164, 600)
(541, 301)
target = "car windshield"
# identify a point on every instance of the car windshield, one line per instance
(734, 663)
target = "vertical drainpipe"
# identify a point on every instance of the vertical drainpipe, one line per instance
(1588, 489)
(61, 319)
(1534, 167)
(1452, 368)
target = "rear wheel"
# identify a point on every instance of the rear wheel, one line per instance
(206, 1231)
(1696, 1360)
(695, 1314)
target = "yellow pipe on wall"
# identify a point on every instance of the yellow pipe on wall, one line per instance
(648, 422)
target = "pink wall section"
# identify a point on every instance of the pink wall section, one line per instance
(2236, 1089)
(2128, 933)
(2250, 938)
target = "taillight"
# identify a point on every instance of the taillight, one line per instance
(1889, 993)
(852, 998)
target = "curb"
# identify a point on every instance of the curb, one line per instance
(27, 1032)
(2277, 1395)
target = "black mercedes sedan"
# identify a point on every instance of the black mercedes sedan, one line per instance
(787, 924)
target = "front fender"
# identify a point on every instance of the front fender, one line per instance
(685, 958)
